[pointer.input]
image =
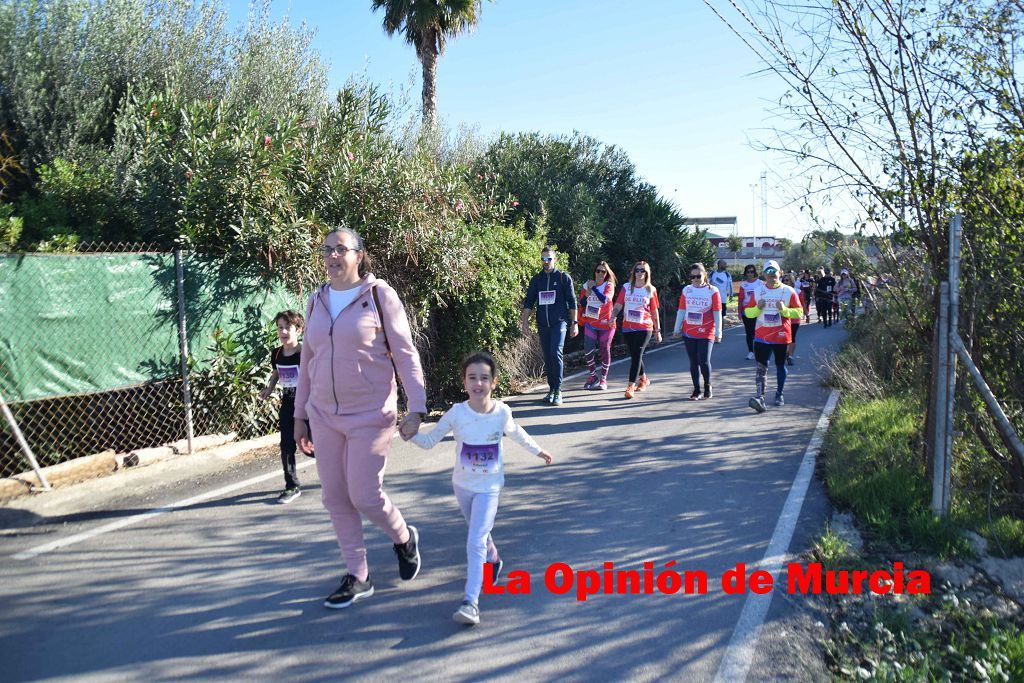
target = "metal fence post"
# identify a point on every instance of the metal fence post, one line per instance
(939, 479)
(953, 319)
(183, 347)
(29, 455)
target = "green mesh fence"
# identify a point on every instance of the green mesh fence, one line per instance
(89, 355)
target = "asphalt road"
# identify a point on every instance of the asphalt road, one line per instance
(231, 587)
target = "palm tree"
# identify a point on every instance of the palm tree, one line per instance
(426, 25)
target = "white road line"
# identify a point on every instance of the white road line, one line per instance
(738, 655)
(135, 519)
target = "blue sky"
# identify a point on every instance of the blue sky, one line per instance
(663, 79)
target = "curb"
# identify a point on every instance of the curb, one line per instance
(72, 471)
(230, 451)
(104, 464)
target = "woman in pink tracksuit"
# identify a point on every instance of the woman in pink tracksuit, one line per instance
(348, 393)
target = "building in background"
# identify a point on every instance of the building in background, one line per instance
(752, 248)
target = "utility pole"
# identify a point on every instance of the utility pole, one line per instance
(753, 217)
(764, 204)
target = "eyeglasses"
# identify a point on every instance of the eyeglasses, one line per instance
(696, 277)
(639, 271)
(340, 250)
(546, 259)
(770, 271)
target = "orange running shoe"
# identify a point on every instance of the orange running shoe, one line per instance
(629, 390)
(643, 383)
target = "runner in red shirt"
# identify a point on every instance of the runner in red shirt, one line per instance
(748, 286)
(595, 315)
(640, 321)
(699, 321)
(777, 304)
(794, 323)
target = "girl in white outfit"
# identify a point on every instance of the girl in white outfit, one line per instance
(479, 425)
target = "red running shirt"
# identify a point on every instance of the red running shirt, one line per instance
(772, 327)
(699, 305)
(638, 307)
(596, 314)
(746, 296)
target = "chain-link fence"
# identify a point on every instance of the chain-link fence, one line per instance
(90, 354)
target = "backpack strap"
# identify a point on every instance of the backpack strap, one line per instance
(312, 302)
(384, 329)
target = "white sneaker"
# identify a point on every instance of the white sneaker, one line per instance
(750, 356)
(468, 614)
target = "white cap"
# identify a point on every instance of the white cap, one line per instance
(771, 264)
(844, 271)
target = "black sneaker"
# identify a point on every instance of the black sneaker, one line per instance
(350, 590)
(757, 404)
(707, 391)
(779, 400)
(409, 555)
(288, 495)
(496, 568)
(695, 395)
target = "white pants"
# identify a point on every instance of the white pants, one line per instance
(479, 510)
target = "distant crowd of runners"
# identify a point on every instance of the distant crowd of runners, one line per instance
(339, 383)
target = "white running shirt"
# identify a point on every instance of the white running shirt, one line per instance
(479, 465)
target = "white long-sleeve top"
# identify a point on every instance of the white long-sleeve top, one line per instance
(479, 465)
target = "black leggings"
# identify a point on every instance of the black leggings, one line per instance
(637, 343)
(748, 326)
(824, 308)
(286, 423)
(699, 351)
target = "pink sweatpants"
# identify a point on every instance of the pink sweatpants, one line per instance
(351, 453)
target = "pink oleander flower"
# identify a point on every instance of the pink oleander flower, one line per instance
(514, 204)
(459, 206)
(350, 155)
(266, 142)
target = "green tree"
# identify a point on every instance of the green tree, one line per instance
(735, 245)
(427, 26)
(588, 199)
(808, 254)
(68, 67)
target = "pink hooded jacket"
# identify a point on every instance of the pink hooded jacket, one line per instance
(345, 367)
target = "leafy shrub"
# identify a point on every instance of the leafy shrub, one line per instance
(485, 315)
(225, 395)
(77, 198)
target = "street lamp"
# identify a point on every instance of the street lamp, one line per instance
(753, 216)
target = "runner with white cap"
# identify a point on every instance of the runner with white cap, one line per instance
(776, 305)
